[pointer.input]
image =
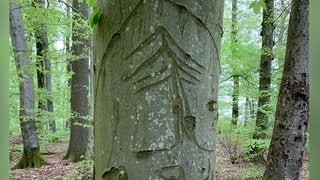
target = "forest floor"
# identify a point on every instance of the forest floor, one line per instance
(64, 169)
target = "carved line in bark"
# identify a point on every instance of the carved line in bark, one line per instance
(116, 116)
(171, 172)
(101, 70)
(145, 154)
(208, 169)
(179, 67)
(188, 128)
(202, 169)
(179, 7)
(176, 60)
(184, 9)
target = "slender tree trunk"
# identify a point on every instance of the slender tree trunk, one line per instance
(43, 68)
(265, 70)
(289, 134)
(235, 76)
(31, 150)
(235, 99)
(283, 26)
(79, 130)
(252, 108)
(156, 87)
(247, 117)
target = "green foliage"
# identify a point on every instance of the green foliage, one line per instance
(233, 137)
(239, 58)
(92, 3)
(257, 5)
(112, 1)
(94, 17)
(83, 169)
(255, 172)
(53, 137)
(256, 147)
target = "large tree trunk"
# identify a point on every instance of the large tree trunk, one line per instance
(31, 149)
(43, 68)
(291, 123)
(79, 130)
(265, 71)
(156, 87)
(68, 49)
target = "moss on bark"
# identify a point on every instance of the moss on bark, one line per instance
(30, 160)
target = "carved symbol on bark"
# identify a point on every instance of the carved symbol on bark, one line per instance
(167, 63)
(177, 68)
(175, 63)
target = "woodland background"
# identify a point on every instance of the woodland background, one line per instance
(235, 147)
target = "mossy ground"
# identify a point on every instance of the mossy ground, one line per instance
(31, 160)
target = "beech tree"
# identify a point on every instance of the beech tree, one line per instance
(267, 30)
(156, 86)
(43, 67)
(291, 120)
(79, 130)
(235, 76)
(31, 149)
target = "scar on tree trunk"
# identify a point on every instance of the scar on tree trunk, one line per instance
(30, 160)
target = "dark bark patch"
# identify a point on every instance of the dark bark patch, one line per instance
(144, 154)
(190, 122)
(298, 138)
(118, 173)
(176, 108)
(212, 105)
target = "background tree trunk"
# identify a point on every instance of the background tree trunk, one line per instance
(43, 69)
(156, 87)
(291, 123)
(31, 149)
(79, 130)
(265, 70)
(68, 48)
(235, 76)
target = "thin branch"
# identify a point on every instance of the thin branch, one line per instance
(282, 12)
(225, 79)
(70, 6)
(246, 79)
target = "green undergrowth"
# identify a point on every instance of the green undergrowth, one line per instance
(82, 170)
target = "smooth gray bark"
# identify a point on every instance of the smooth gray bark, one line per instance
(290, 128)
(156, 87)
(79, 130)
(31, 155)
